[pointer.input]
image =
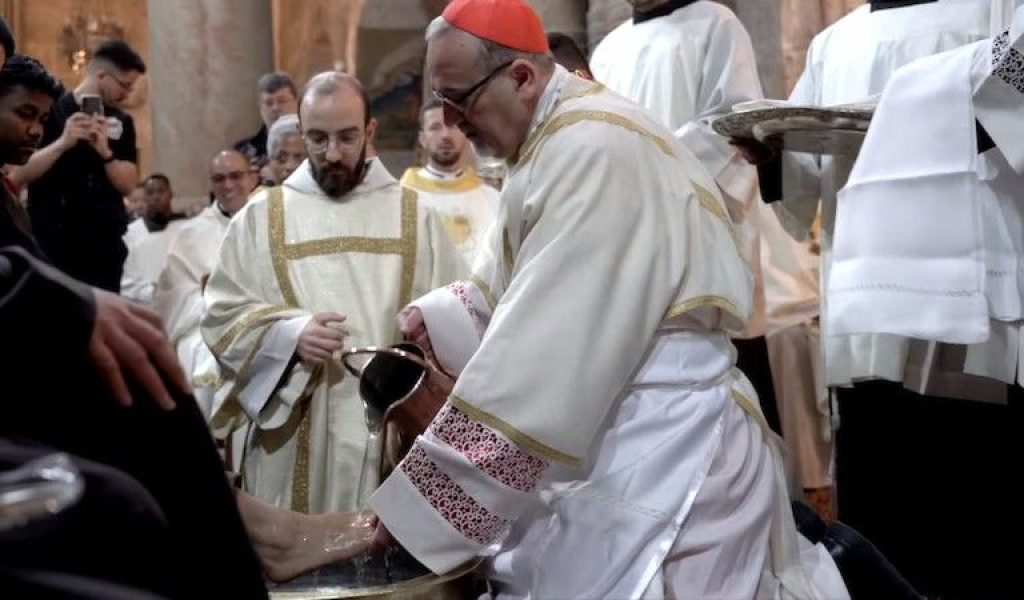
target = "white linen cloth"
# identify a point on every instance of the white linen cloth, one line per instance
(848, 62)
(955, 276)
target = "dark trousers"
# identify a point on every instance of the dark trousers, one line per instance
(94, 259)
(932, 482)
(202, 550)
(116, 531)
(752, 359)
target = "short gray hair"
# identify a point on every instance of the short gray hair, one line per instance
(491, 55)
(284, 126)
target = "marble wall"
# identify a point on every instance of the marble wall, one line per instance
(802, 20)
(206, 58)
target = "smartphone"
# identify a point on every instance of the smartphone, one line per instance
(92, 105)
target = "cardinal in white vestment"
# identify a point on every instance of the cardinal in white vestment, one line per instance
(465, 203)
(597, 412)
(929, 244)
(148, 240)
(178, 298)
(689, 62)
(321, 263)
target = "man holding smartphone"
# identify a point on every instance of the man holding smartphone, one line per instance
(84, 168)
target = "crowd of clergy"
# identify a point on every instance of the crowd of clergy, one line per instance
(665, 343)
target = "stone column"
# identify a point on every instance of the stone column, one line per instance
(205, 59)
(602, 17)
(782, 31)
(764, 22)
(564, 16)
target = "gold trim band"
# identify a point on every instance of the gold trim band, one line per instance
(578, 116)
(748, 407)
(485, 290)
(338, 245)
(277, 245)
(242, 325)
(407, 245)
(704, 301)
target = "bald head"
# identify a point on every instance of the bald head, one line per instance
(231, 180)
(333, 83)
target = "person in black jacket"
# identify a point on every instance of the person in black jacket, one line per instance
(87, 164)
(90, 374)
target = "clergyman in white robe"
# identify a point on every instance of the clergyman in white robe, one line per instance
(147, 257)
(466, 204)
(598, 411)
(178, 298)
(290, 253)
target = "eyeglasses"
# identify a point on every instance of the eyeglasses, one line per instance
(125, 85)
(231, 175)
(349, 142)
(463, 101)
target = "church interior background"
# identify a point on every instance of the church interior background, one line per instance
(204, 57)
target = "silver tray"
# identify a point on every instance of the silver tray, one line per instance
(838, 130)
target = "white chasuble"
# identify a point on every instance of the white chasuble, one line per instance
(467, 206)
(595, 370)
(178, 299)
(290, 253)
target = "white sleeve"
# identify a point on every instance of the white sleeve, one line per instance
(268, 366)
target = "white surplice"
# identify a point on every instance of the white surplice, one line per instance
(178, 298)
(849, 62)
(930, 239)
(688, 68)
(598, 433)
(290, 253)
(147, 257)
(466, 204)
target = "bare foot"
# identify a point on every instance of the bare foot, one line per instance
(289, 543)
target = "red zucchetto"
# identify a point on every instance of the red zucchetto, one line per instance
(511, 23)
